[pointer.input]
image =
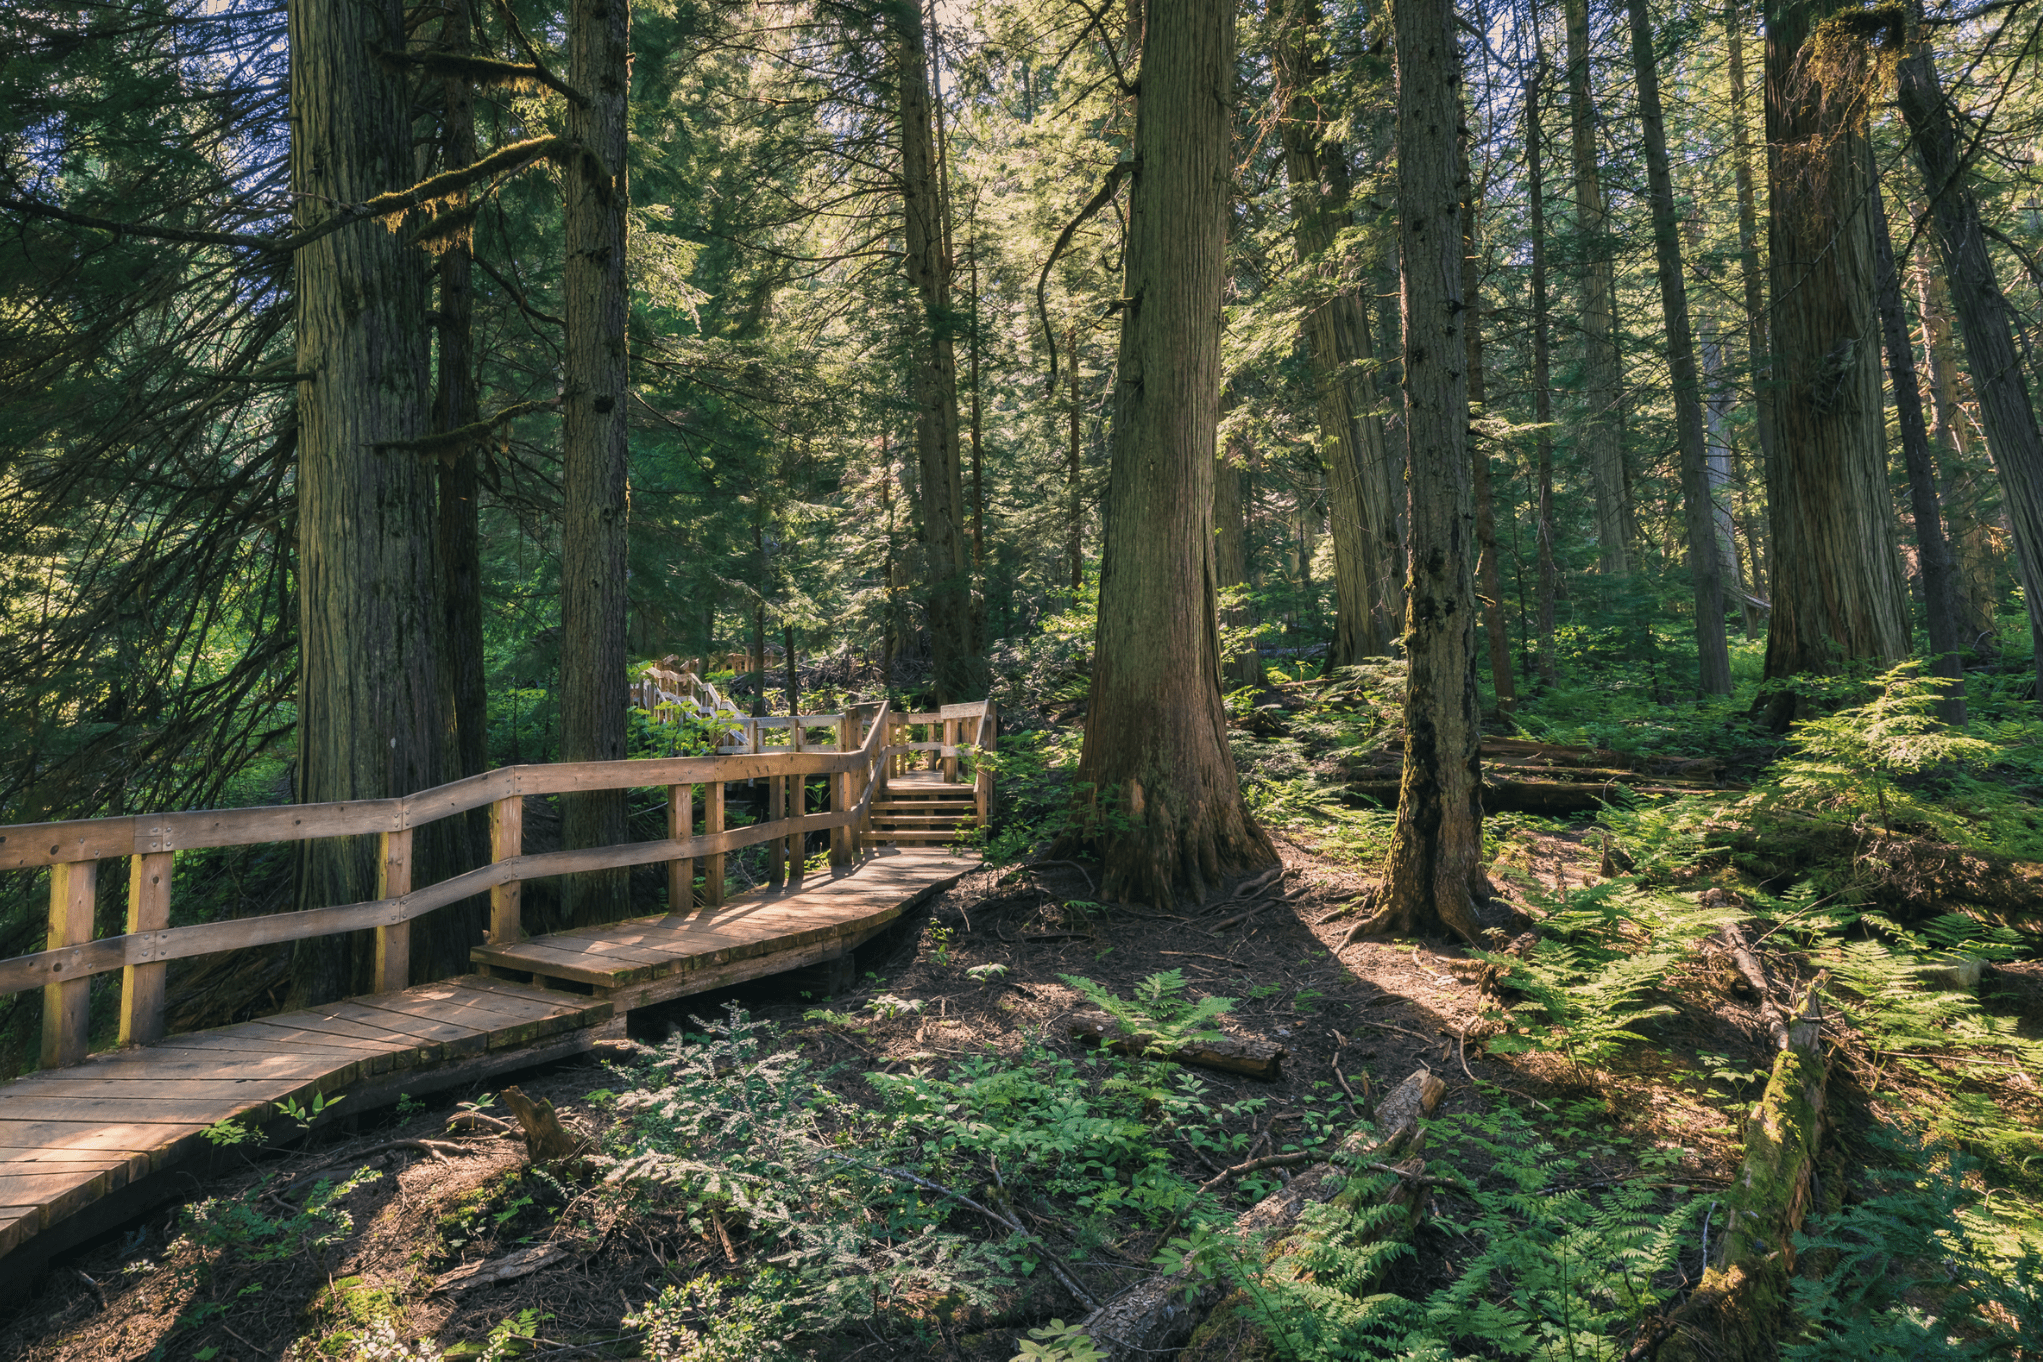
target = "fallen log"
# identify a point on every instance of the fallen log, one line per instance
(1249, 1057)
(1739, 1313)
(1159, 1314)
(1547, 798)
(509, 1268)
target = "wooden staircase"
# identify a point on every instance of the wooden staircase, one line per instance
(922, 808)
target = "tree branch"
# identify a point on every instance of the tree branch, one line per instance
(1098, 201)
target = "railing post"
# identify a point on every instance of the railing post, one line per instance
(393, 943)
(843, 846)
(982, 778)
(712, 824)
(148, 911)
(67, 1017)
(797, 803)
(681, 870)
(949, 739)
(506, 840)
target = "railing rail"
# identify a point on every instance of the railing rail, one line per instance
(72, 850)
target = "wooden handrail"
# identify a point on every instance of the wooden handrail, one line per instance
(73, 848)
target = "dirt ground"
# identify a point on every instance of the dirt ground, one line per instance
(1360, 1018)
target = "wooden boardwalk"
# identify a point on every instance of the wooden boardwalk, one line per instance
(72, 1137)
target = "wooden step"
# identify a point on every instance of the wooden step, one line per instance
(947, 820)
(913, 835)
(924, 805)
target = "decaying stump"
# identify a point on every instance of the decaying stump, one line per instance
(1739, 1310)
(1156, 1316)
(1251, 1058)
(545, 1140)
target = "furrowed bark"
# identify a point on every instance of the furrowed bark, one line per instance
(946, 545)
(595, 452)
(1432, 875)
(1159, 793)
(369, 601)
(1837, 591)
(1705, 564)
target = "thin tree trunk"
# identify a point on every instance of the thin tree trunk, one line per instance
(1330, 331)
(1244, 666)
(1600, 428)
(1162, 798)
(594, 448)
(945, 542)
(1432, 874)
(369, 604)
(1837, 590)
(1720, 399)
(1748, 260)
(1705, 565)
(1999, 380)
(441, 942)
(1971, 539)
(1074, 495)
(1489, 583)
(1942, 609)
(794, 676)
(1546, 580)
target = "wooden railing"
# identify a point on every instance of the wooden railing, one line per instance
(856, 763)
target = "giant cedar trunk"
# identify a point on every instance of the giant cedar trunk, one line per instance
(1599, 429)
(946, 547)
(368, 599)
(1165, 800)
(1939, 572)
(1998, 377)
(1431, 875)
(1837, 591)
(1359, 490)
(592, 608)
(1705, 565)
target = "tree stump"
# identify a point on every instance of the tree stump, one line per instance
(545, 1140)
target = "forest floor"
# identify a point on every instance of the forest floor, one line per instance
(928, 1165)
(231, 1275)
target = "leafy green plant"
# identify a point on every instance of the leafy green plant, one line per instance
(1159, 1013)
(1059, 1342)
(1603, 950)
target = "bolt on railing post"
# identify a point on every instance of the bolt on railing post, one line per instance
(148, 911)
(67, 1019)
(393, 942)
(680, 870)
(506, 840)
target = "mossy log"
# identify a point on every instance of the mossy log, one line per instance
(1159, 1314)
(1739, 1313)
(1546, 798)
(1912, 877)
(1251, 1058)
